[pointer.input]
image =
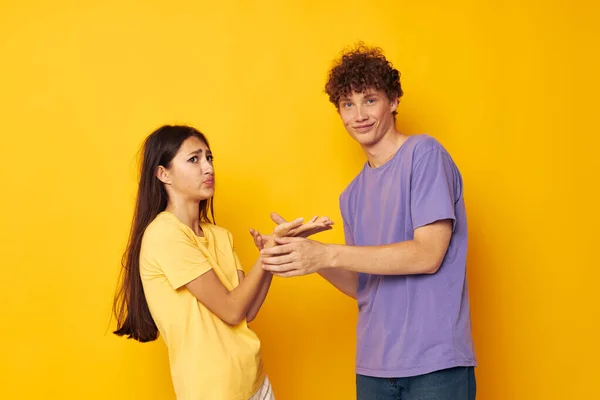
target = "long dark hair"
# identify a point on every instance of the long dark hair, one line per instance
(130, 306)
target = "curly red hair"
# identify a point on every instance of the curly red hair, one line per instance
(362, 68)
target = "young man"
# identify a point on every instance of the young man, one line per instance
(406, 244)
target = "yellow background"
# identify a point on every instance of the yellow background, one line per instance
(510, 88)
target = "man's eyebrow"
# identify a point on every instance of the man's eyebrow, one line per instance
(370, 94)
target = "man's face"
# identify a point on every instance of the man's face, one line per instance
(367, 116)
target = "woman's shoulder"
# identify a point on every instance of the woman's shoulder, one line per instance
(218, 232)
(165, 225)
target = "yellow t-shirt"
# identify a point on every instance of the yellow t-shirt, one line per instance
(209, 358)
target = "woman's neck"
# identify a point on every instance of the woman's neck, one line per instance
(186, 212)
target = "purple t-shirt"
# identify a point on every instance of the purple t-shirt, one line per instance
(410, 324)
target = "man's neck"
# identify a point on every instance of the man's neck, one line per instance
(382, 151)
(186, 212)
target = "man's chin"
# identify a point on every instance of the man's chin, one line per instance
(365, 139)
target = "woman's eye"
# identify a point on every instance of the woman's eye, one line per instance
(193, 159)
(210, 158)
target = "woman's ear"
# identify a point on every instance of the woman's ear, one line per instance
(163, 175)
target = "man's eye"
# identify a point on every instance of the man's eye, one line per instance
(371, 101)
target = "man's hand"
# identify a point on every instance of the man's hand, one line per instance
(312, 227)
(295, 256)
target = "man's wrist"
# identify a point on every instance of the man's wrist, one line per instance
(332, 256)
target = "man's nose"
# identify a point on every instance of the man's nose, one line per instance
(360, 115)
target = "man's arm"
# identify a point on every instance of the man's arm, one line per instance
(344, 281)
(421, 255)
(315, 225)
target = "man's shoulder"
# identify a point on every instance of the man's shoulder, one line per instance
(417, 146)
(422, 144)
(351, 187)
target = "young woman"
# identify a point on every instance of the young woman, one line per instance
(182, 276)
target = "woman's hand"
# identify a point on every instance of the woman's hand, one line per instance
(284, 228)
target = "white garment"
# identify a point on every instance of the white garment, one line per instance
(265, 392)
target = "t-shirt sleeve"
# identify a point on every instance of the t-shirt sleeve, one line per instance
(348, 237)
(432, 189)
(177, 255)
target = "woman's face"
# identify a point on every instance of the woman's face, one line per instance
(191, 174)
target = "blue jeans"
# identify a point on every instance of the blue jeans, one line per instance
(448, 384)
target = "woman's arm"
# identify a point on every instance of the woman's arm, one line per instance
(233, 306)
(313, 226)
(262, 291)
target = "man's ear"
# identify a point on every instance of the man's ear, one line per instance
(394, 103)
(163, 175)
